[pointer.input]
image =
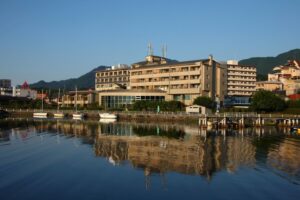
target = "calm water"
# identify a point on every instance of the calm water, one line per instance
(90, 160)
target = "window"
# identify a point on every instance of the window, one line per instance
(187, 97)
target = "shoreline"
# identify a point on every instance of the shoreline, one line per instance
(222, 120)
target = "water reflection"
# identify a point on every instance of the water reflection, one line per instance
(163, 148)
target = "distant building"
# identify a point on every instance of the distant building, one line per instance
(288, 75)
(5, 87)
(84, 98)
(5, 83)
(25, 91)
(241, 83)
(269, 85)
(117, 77)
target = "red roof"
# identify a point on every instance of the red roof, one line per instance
(25, 85)
(294, 96)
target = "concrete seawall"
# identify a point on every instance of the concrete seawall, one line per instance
(222, 120)
(130, 116)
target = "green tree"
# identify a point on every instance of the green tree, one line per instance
(152, 106)
(204, 101)
(267, 101)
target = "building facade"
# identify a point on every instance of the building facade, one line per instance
(241, 79)
(84, 98)
(117, 77)
(123, 98)
(288, 75)
(5, 83)
(269, 85)
(241, 83)
(181, 81)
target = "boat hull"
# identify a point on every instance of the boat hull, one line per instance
(78, 116)
(59, 115)
(107, 121)
(40, 115)
(107, 116)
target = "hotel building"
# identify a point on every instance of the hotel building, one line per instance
(159, 78)
(116, 77)
(181, 81)
(241, 83)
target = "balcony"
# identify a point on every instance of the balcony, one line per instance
(241, 74)
(244, 69)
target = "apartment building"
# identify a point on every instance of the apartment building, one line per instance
(269, 85)
(241, 83)
(288, 75)
(5, 83)
(116, 77)
(181, 81)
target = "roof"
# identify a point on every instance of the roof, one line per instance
(25, 85)
(170, 64)
(241, 65)
(134, 90)
(294, 96)
(111, 70)
(82, 92)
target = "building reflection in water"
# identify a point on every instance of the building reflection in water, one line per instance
(159, 149)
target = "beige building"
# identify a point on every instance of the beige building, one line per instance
(84, 98)
(241, 79)
(182, 81)
(110, 79)
(269, 85)
(288, 75)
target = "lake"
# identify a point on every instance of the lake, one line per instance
(66, 159)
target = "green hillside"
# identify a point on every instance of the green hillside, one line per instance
(265, 64)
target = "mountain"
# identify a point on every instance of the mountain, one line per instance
(86, 81)
(265, 65)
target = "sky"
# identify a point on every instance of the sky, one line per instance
(59, 39)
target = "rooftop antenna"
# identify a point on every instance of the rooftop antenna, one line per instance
(164, 51)
(150, 50)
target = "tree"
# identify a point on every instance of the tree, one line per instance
(267, 101)
(204, 101)
(152, 105)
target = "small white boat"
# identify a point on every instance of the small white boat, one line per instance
(59, 115)
(40, 115)
(77, 116)
(107, 116)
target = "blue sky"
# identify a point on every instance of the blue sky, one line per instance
(60, 39)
